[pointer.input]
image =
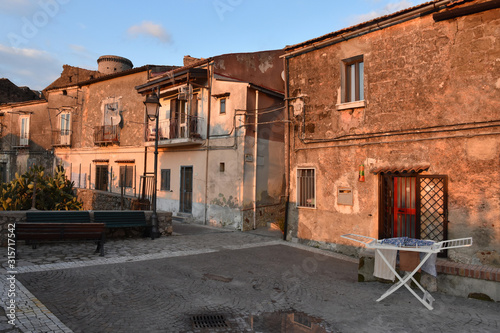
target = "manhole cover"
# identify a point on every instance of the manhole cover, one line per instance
(209, 321)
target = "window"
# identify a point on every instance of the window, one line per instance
(306, 188)
(222, 167)
(126, 175)
(222, 106)
(24, 131)
(165, 180)
(353, 80)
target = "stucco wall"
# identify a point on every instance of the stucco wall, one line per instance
(427, 101)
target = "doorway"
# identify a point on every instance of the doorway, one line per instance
(101, 177)
(413, 205)
(186, 189)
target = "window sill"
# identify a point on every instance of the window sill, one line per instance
(351, 105)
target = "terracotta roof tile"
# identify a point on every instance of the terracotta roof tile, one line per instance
(401, 169)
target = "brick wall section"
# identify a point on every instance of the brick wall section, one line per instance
(471, 271)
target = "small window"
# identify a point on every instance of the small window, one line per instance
(222, 106)
(353, 80)
(306, 188)
(222, 167)
(165, 180)
(126, 175)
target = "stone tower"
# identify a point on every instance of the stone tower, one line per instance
(109, 64)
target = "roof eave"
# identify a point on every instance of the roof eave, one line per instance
(365, 27)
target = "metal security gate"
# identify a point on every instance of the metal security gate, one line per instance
(186, 189)
(434, 207)
(413, 206)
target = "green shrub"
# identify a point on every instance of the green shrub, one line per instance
(52, 193)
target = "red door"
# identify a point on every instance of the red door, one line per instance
(404, 208)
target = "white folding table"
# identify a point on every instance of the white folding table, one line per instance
(378, 245)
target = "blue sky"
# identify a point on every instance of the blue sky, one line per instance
(39, 36)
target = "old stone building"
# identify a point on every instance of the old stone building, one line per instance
(221, 139)
(11, 93)
(212, 168)
(98, 134)
(395, 130)
(30, 128)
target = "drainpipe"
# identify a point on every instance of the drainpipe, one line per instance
(255, 160)
(287, 150)
(209, 99)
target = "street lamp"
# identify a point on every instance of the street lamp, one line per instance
(152, 104)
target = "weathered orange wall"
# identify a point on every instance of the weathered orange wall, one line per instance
(419, 74)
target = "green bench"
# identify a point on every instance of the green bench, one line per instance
(121, 218)
(58, 216)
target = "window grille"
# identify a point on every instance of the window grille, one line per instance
(306, 188)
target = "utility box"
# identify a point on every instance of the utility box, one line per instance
(344, 196)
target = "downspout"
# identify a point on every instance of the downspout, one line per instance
(255, 158)
(287, 151)
(209, 99)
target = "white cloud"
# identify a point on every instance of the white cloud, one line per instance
(151, 29)
(86, 58)
(29, 67)
(391, 7)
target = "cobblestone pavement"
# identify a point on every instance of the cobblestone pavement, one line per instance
(255, 282)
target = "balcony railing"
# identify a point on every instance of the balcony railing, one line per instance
(61, 138)
(106, 134)
(23, 142)
(170, 129)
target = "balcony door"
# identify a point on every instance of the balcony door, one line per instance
(65, 128)
(24, 131)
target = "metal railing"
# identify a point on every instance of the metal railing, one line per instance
(185, 127)
(61, 138)
(106, 134)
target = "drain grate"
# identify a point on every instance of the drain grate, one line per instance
(209, 321)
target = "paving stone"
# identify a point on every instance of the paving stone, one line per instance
(144, 285)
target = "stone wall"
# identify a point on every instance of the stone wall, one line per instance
(265, 214)
(101, 200)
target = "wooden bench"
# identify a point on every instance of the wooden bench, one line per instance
(61, 231)
(58, 216)
(121, 218)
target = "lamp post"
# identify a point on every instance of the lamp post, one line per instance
(152, 104)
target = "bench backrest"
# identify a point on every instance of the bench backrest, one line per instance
(58, 216)
(121, 218)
